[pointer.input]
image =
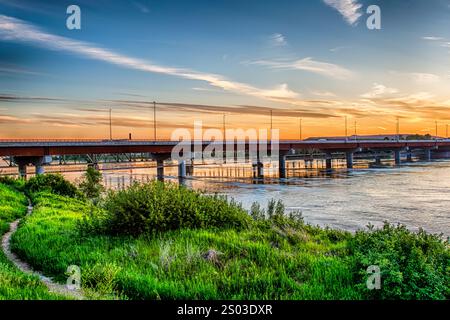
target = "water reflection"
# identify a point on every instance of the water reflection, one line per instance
(415, 194)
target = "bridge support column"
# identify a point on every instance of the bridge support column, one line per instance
(329, 161)
(39, 165)
(397, 157)
(428, 154)
(159, 158)
(38, 162)
(409, 156)
(378, 160)
(182, 169)
(22, 170)
(282, 165)
(190, 168)
(349, 158)
(160, 169)
(39, 169)
(258, 169)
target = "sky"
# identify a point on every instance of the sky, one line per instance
(236, 60)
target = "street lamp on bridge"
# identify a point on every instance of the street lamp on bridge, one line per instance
(300, 128)
(154, 120)
(346, 129)
(110, 124)
(398, 129)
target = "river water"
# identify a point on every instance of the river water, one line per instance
(415, 194)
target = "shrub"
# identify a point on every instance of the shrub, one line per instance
(12, 182)
(54, 183)
(91, 186)
(276, 215)
(412, 265)
(157, 206)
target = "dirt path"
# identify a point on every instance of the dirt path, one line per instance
(26, 268)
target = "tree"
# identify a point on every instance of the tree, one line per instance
(91, 186)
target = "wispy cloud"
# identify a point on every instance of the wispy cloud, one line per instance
(14, 98)
(340, 48)
(277, 40)
(308, 64)
(12, 69)
(252, 110)
(12, 29)
(349, 9)
(432, 38)
(141, 7)
(323, 93)
(424, 78)
(418, 77)
(379, 90)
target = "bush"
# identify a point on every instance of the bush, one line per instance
(54, 183)
(91, 186)
(157, 206)
(12, 182)
(276, 215)
(413, 265)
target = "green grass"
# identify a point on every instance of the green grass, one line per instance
(15, 285)
(252, 264)
(271, 257)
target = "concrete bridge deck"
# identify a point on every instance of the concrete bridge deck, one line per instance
(73, 147)
(25, 152)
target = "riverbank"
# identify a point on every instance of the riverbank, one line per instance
(259, 256)
(14, 284)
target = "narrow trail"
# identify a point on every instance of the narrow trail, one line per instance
(26, 268)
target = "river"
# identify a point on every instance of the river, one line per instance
(415, 194)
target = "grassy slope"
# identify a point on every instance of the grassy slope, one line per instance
(253, 264)
(15, 285)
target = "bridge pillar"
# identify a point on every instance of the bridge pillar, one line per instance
(39, 169)
(38, 162)
(428, 154)
(182, 169)
(258, 169)
(22, 170)
(159, 158)
(377, 160)
(409, 156)
(282, 165)
(39, 165)
(160, 169)
(190, 168)
(328, 161)
(397, 157)
(349, 158)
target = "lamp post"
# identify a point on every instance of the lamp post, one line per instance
(436, 125)
(300, 128)
(154, 120)
(271, 123)
(224, 128)
(398, 129)
(346, 129)
(110, 124)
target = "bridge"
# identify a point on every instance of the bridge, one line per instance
(39, 152)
